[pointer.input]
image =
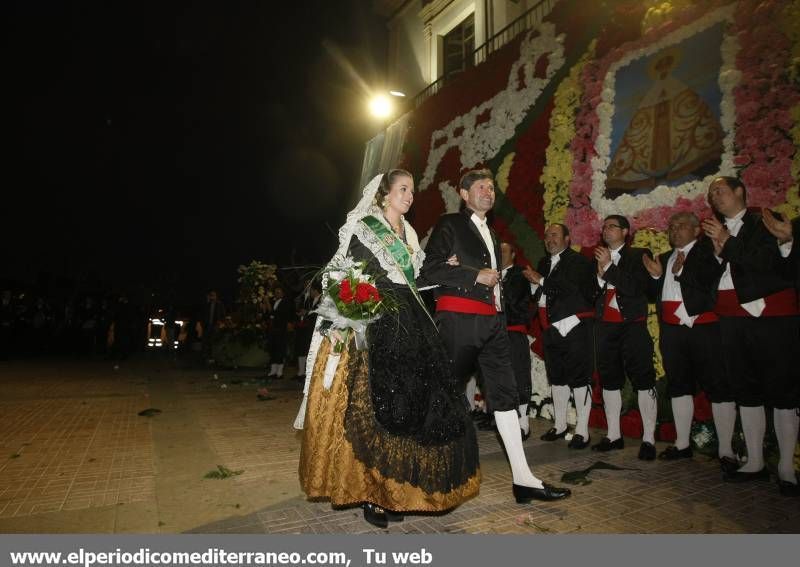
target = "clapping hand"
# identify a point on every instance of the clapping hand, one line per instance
(780, 229)
(488, 277)
(653, 266)
(453, 261)
(603, 257)
(532, 275)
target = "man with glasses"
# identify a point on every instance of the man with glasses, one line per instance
(684, 284)
(624, 346)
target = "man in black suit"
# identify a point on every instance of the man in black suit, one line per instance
(684, 287)
(565, 296)
(624, 346)
(517, 296)
(211, 317)
(471, 321)
(281, 314)
(757, 306)
(307, 302)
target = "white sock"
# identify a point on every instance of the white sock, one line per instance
(612, 403)
(724, 422)
(472, 387)
(272, 368)
(508, 427)
(583, 407)
(754, 426)
(683, 412)
(301, 365)
(560, 403)
(786, 426)
(279, 369)
(648, 407)
(524, 423)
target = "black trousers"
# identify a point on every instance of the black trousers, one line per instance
(625, 349)
(569, 360)
(521, 363)
(692, 357)
(277, 346)
(762, 357)
(480, 342)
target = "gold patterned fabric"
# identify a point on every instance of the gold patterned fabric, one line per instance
(403, 469)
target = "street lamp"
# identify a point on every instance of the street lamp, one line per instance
(380, 106)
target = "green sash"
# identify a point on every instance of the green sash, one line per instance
(397, 248)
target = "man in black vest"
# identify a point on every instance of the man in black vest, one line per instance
(684, 287)
(624, 346)
(565, 289)
(757, 306)
(517, 296)
(471, 322)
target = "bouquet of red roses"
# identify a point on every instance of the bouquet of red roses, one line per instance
(351, 301)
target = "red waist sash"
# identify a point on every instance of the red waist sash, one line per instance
(779, 304)
(517, 328)
(668, 315)
(545, 321)
(457, 304)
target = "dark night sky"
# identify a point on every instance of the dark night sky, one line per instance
(163, 144)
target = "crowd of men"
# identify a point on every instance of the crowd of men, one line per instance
(726, 297)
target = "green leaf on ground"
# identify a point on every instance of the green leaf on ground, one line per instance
(582, 477)
(222, 472)
(149, 412)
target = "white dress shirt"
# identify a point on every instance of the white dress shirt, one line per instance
(565, 325)
(672, 288)
(755, 307)
(483, 229)
(615, 256)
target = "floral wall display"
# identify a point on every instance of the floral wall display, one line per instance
(541, 113)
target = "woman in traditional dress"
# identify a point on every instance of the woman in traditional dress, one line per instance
(391, 430)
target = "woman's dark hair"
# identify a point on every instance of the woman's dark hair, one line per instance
(386, 183)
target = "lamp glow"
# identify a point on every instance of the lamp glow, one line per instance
(380, 106)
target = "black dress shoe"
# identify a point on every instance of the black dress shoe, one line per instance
(524, 494)
(525, 434)
(375, 515)
(789, 489)
(729, 465)
(394, 516)
(606, 445)
(578, 442)
(487, 425)
(551, 435)
(672, 453)
(740, 476)
(647, 451)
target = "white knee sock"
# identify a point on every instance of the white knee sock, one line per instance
(279, 369)
(754, 425)
(583, 406)
(786, 426)
(524, 423)
(508, 427)
(472, 388)
(724, 422)
(648, 407)
(683, 412)
(272, 369)
(301, 365)
(612, 403)
(560, 403)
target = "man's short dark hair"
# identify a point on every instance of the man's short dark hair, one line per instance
(564, 228)
(734, 183)
(474, 175)
(621, 221)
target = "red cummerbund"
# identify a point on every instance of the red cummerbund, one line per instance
(517, 328)
(463, 305)
(668, 316)
(779, 304)
(546, 322)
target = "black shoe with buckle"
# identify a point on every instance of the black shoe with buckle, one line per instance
(524, 494)
(729, 465)
(607, 444)
(741, 476)
(672, 453)
(552, 435)
(375, 515)
(790, 489)
(578, 442)
(647, 451)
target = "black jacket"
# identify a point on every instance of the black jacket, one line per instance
(754, 258)
(457, 234)
(698, 280)
(570, 288)
(631, 280)
(517, 295)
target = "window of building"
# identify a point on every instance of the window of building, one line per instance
(459, 44)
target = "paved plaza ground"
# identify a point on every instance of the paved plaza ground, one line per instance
(76, 457)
